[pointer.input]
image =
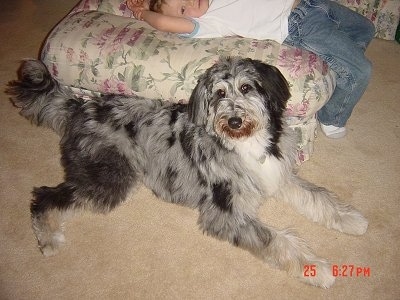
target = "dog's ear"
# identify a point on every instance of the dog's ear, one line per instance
(274, 84)
(198, 103)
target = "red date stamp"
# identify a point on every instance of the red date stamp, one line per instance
(339, 271)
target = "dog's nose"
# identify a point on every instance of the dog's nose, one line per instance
(235, 122)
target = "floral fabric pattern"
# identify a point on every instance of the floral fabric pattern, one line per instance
(385, 14)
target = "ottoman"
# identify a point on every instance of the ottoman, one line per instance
(100, 48)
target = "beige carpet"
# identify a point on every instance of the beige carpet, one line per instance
(147, 249)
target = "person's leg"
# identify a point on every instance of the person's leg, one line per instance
(325, 28)
(360, 29)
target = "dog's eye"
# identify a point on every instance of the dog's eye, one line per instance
(245, 88)
(221, 93)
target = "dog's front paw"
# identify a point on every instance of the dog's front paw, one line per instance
(318, 273)
(351, 222)
(291, 253)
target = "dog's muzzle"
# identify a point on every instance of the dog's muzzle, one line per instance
(235, 122)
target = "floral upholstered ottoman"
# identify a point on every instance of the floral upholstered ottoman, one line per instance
(385, 14)
(100, 48)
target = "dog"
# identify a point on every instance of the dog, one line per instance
(223, 153)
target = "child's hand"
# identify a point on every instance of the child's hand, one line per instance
(137, 13)
(137, 7)
(197, 10)
(132, 3)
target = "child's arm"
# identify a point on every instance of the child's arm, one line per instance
(167, 23)
(140, 9)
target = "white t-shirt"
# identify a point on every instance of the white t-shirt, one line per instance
(257, 19)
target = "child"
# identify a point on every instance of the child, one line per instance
(334, 32)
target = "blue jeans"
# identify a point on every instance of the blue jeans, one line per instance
(339, 36)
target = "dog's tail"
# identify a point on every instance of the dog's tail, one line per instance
(40, 97)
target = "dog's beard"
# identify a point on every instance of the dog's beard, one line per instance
(246, 129)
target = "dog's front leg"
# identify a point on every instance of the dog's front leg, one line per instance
(322, 206)
(281, 249)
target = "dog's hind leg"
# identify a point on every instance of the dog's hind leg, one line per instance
(49, 209)
(52, 206)
(281, 249)
(321, 206)
(98, 185)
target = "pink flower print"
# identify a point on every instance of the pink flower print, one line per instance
(291, 62)
(83, 56)
(303, 108)
(123, 89)
(283, 55)
(124, 38)
(297, 110)
(134, 37)
(108, 45)
(312, 62)
(106, 86)
(298, 52)
(119, 40)
(289, 112)
(120, 36)
(101, 40)
(113, 86)
(70, 54)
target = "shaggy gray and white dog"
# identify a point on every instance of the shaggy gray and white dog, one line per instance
(223, 153)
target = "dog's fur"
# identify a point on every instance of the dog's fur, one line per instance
(223, 153)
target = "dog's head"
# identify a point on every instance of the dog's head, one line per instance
(236, 98)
